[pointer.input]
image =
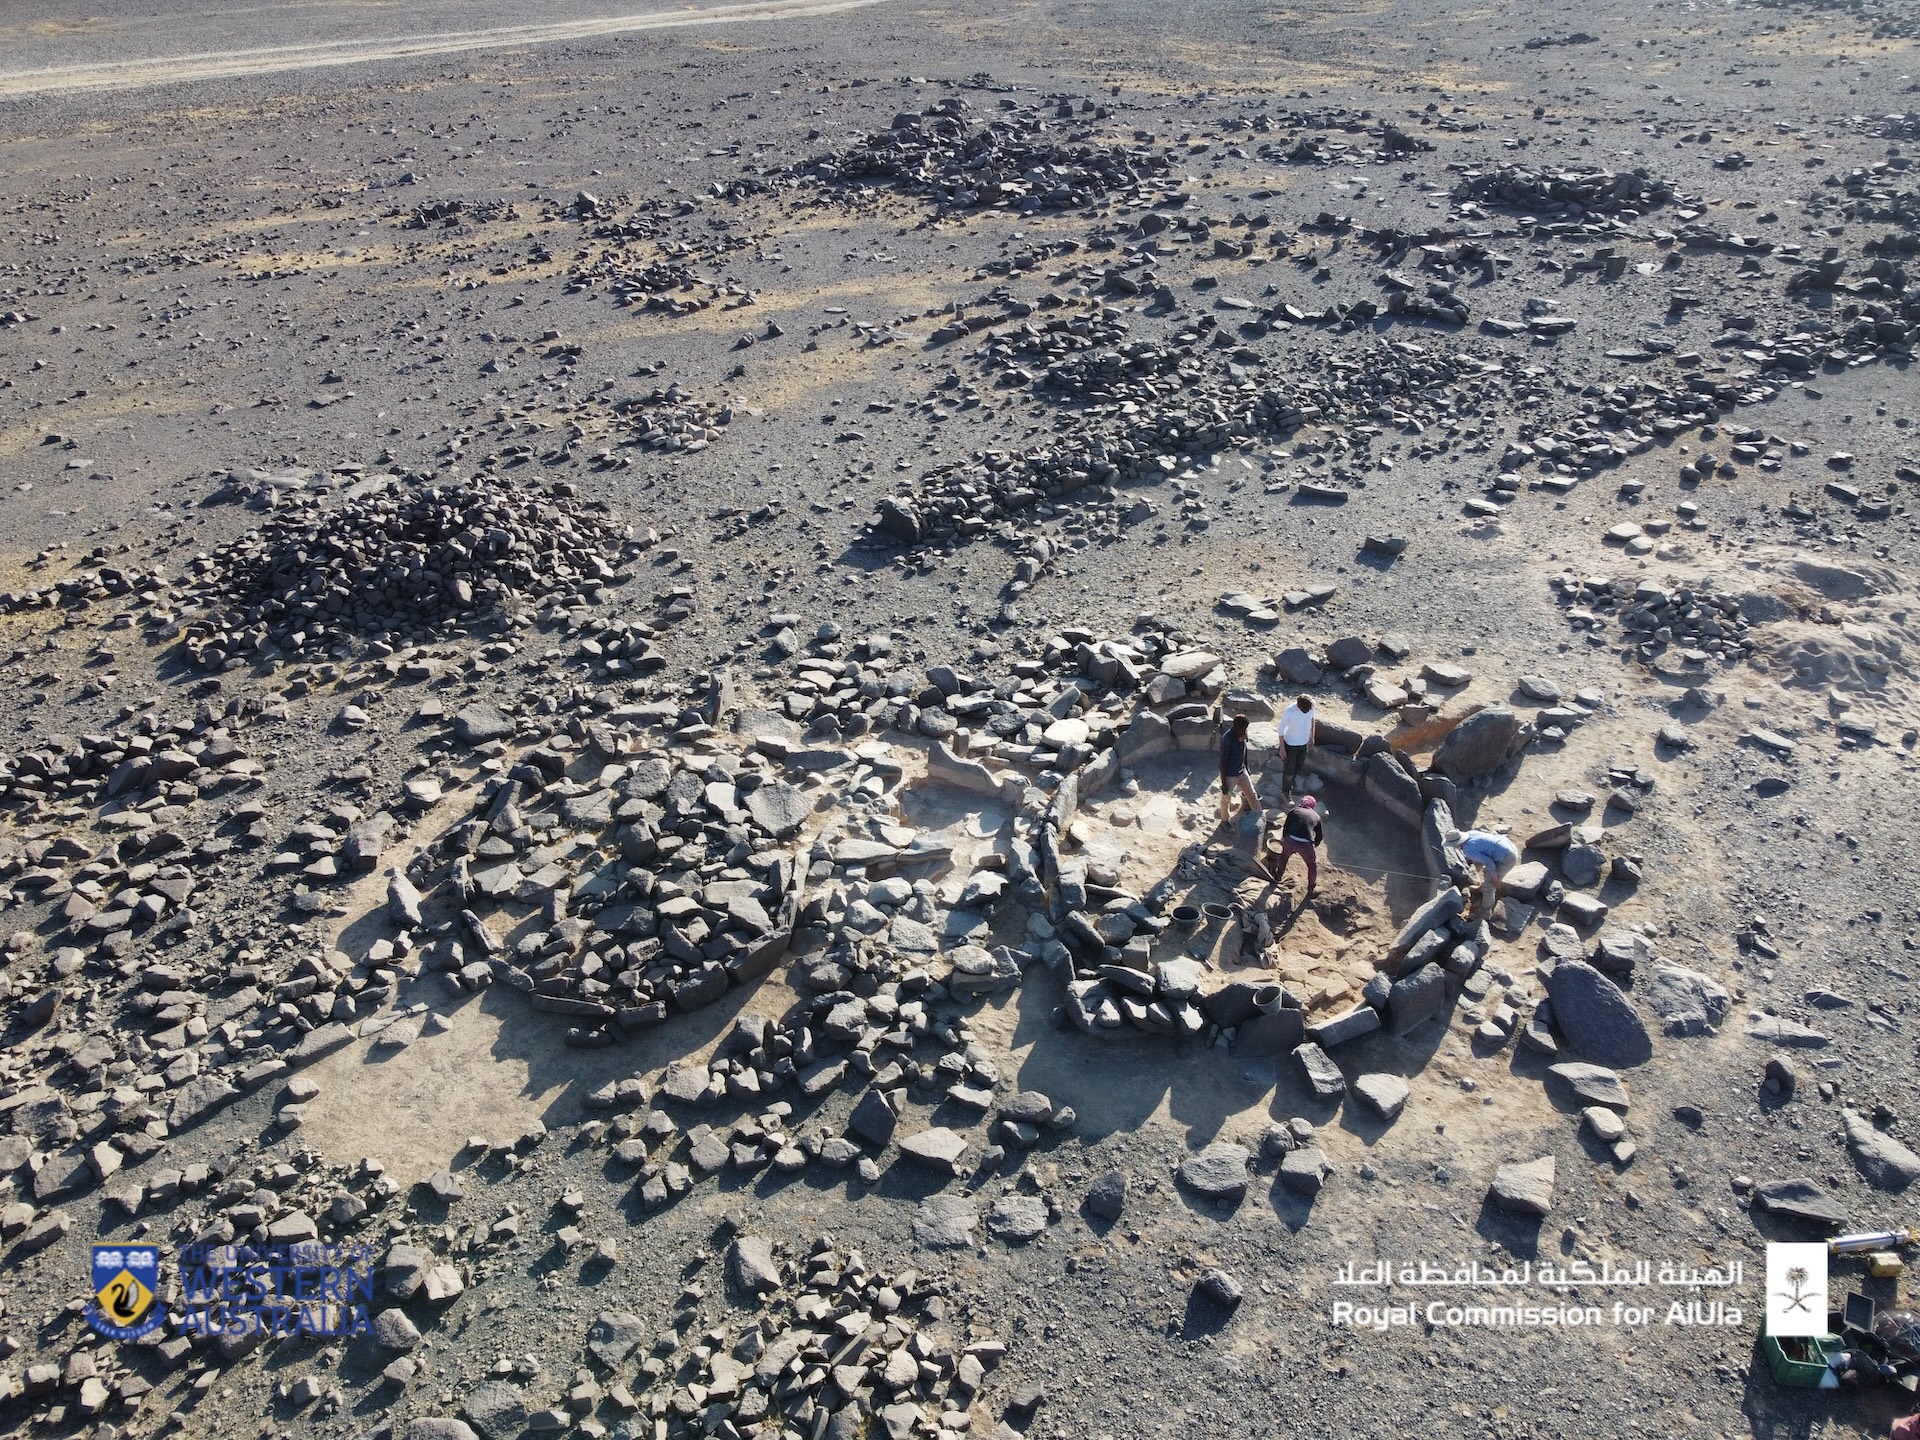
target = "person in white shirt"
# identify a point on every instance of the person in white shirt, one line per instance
(1495, 854)
(1297, 727)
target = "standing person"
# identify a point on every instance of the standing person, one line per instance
(1297, 729)
(1233, 770)
(1301, 834)
(1494, 854)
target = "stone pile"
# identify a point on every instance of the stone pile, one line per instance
(1873, 195)
(1015, 158)
(1056, 351)
(451, 214)
(1154, 410)
(660, 883)
(1890, 22)
(394, 562)
(834, 1348)
(1389, 142)
(670, 420)
(1566, 194)
(1629, 417)
(95, 583)
(1691, 623)
(873, 1022)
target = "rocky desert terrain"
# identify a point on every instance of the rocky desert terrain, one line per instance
(616, 625)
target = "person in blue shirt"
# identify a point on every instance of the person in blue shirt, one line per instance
(1494, 854)
(1233, 771)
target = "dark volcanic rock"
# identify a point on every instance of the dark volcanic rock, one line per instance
(1596, 1017)
(1479, 745)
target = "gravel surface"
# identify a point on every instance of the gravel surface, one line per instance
(616, 638)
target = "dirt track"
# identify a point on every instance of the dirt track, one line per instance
(309, 259)
(181, 69)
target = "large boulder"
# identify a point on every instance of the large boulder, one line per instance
(1297, 666)
(780, 808)
(1885, 1162)
(1480, 744)
(1687, 1002)
(1803, 1201)
(1385, 1095)
(1218, 1172)
(480, 722)
(1349, 651)
(1416, 998)
(754, 1268)
(1596, 1018)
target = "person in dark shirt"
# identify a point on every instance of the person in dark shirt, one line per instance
(1301, 834)
(1233, 770)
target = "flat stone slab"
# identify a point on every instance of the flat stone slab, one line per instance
(938, 1149)
(1887, 1164)
(1018, 1218)
(1385, 1095)
(945, 1222)
(614, 1335)
(1596, 1017)
(1218, 1172)
(1777, 1030)
(321, 1041)
(199, 1098)
(1802, 1201)
(779, 808)
(1029, 1107)
(1606, 1125)
(1687, 1002)
(478, 723)
(1524, 1187)
(1591, 1084)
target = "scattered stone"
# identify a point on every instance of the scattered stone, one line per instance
(1887, 1164)
(1107, 1197)
(1219, 1288)
(1218, 1172)
(945, 1222)
(1803, 1201)
(1524, 1187)
(1595, 1016)
(1018, 1219)
(1385, 1095)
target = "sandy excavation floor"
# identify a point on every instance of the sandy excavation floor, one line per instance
(616, 625)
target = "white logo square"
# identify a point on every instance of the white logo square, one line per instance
(1796, 1289)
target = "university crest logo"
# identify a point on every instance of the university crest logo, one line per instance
(125, 1279)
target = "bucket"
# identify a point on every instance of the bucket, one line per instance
(1216, 913)
(1187, 917)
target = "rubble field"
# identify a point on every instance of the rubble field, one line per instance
(618, 632)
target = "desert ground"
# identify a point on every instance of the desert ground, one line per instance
(617, 625)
